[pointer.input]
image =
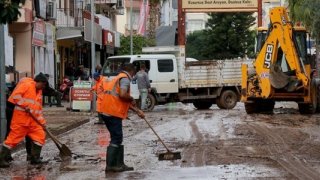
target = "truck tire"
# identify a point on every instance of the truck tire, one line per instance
(202, 105)
(227, 100)
(310, 108)
(218, 102)
(151, 102)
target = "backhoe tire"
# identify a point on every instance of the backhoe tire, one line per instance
(266, 106)
(228, 99)
(201, 105)
(251, 107)
(310, 108)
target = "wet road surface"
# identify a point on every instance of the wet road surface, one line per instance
(215, 144)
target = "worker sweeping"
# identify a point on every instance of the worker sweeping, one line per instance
(98, 90)
(27, 98)
(116, 102)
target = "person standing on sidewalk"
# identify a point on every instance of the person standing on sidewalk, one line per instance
(27, 98)
(144, 87)
(116, 103)
(98, 90)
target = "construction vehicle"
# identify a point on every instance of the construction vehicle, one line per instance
(281, 71)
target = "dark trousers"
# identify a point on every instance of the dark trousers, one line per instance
(114, 126)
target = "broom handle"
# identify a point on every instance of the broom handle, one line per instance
(156, 134)
(136, 110)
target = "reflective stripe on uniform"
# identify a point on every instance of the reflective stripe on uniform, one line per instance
(111, 93)
(17, 96)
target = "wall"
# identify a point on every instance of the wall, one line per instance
(22, 34)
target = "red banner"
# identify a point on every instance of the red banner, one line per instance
(38, 33)
(81, 94)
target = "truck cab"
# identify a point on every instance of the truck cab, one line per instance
(161, 68)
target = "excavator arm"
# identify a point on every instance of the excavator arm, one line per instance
(280, 38)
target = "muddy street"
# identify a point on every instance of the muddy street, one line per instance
(215, 144)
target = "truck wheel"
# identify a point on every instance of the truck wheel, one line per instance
(218, 102)
(310, 108)
(202, 105)
(150, 102)
(251, 107)
(228, 99)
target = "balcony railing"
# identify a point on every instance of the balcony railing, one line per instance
(69, 18)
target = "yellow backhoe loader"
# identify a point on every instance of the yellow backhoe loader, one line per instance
(281, 71)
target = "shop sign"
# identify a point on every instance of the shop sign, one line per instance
(81, 95)
(38, 33)
(108, 38)
(220, 4)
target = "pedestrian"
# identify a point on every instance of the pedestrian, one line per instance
(144, 87)
(98, 90)
(27, 98)
(116, 102)
(50, 91)
(98, 68)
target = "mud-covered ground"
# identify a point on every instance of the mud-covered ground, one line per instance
(215, 144)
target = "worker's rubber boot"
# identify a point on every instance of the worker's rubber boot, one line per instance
(112, 158)
(121, 160)
(35, 155)
(9, 158)
(28, 145)
(3, 154)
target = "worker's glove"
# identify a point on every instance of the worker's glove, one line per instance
(140, 114)
(27, 110)
(133, 102)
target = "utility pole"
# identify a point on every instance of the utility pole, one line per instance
(145, 18)
(131, 27)
(3, 120)
(92, 39)
(93, 62)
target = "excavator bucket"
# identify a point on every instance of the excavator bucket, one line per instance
(278, 79)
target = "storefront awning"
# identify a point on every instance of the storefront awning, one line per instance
(68, 33)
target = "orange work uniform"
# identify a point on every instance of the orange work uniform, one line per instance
(25, 95)
(112, 105)
(97, 88)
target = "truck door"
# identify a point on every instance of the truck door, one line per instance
(166, 79)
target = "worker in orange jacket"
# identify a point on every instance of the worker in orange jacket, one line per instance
(27, 98)
(116, 101)
(98, 90)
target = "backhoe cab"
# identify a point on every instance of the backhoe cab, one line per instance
(281, 71)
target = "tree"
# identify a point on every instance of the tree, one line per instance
(10, 10)
(138, 42)
(307, 12)
(228, 35)
(153, 20)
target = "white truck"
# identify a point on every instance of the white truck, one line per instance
(172, 79)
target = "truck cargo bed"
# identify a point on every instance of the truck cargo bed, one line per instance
(211, 74)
